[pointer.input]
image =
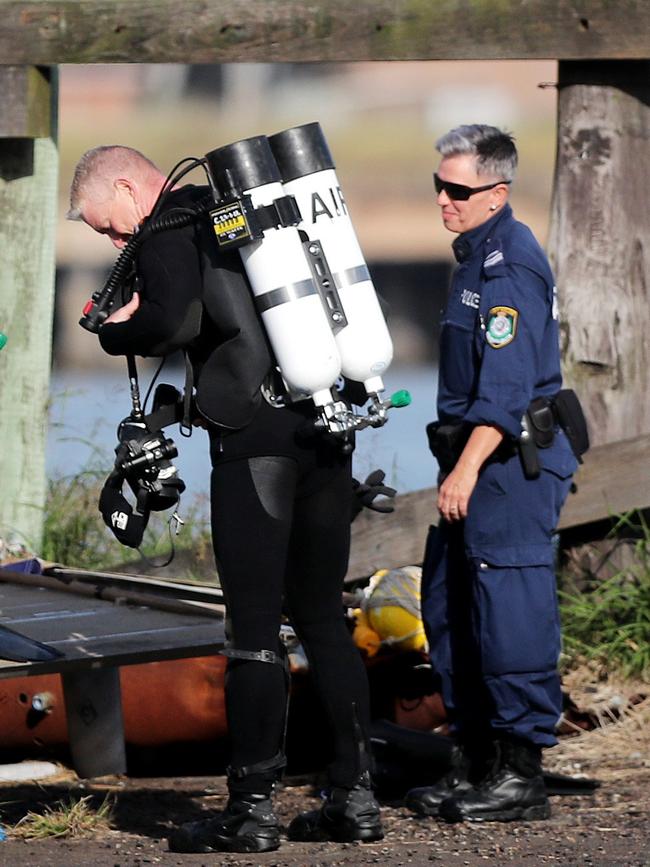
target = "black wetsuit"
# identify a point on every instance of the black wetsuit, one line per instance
(280, 503)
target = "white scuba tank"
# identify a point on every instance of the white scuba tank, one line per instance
(308, 173)
(281, 279)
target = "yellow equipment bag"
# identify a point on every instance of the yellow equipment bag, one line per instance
(392, 607)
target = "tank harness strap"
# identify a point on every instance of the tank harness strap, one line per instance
(255, 656)
(276, 763)
(164, 416)
(364, 752)
(283, 212)
(279, 760)
(186, 421)
(180, 410)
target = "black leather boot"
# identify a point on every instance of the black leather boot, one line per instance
(470, 763)
(248, 824)
(426, 800)
(347, 815)
(513, 790)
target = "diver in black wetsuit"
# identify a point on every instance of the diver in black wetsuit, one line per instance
(280, 502)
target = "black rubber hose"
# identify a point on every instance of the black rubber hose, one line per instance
(97, 309)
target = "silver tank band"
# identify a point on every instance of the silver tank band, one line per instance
(283, 294)
(351, 276)
(293, 291)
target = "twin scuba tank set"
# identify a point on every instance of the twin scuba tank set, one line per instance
(311, 284)
(277, 199)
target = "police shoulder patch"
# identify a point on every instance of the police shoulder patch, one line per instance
(501, 326)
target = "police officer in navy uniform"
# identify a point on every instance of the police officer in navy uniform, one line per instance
(488, 586)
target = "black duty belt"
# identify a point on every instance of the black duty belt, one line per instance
(539, 426)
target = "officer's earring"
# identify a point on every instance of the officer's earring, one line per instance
(493, 207)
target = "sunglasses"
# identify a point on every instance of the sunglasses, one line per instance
(460, 192)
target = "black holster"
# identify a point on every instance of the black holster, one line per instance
(527, 449)
(537, 432)
(446, 442)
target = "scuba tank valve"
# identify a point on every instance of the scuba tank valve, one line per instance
(339, 419)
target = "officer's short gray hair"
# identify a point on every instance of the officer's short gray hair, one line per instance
(99, 167)
(495, 151)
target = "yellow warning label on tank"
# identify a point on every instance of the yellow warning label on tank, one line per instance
(222, 227)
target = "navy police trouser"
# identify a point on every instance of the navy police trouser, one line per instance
(489, 602)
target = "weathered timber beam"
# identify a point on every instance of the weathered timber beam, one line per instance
(614, 479)
(212, 31)
(26, 102)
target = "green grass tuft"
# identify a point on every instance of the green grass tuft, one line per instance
(609, 622)
(74, 533)
(71, 818)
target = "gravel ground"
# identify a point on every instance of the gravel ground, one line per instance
(610, 827)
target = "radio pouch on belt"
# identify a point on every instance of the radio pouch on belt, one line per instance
(542, 422)
(571, 419)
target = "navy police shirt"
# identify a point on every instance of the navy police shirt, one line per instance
(499, 342)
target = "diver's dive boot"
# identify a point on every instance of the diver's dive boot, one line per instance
(248, 824)
(347, 815)
(514, 790)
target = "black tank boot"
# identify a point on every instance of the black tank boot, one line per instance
(347, 815)
(513, 790)
(248, 824)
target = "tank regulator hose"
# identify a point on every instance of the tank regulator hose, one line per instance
(98, 307)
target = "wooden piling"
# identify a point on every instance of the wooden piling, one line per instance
(28, 185)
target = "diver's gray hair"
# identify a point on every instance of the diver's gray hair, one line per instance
(495, 151)
(100, 166)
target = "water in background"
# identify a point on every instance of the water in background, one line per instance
(86, 409)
